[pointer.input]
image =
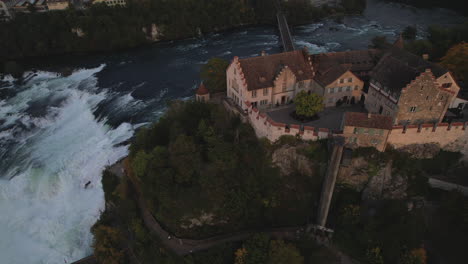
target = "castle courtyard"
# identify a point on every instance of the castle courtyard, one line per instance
(330, 117)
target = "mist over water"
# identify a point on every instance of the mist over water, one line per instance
(57, 133)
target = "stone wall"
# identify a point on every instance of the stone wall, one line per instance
(452, 137)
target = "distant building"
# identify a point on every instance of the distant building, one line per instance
(57, 4)
(366, 130)
(202, 94)
(111, 2)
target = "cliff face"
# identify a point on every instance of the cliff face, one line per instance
(375, 181)
(288, 160)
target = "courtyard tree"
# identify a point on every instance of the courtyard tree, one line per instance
(213, 74)
(308, 105)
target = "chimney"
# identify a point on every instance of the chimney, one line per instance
(263, 53)
(369, 115)
(425, 56)
(306, 50)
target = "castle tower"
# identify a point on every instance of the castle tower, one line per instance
(202, 94)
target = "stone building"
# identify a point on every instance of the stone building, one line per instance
(269, 80)
(366, 130)
(340, 76)
(410, 89)
(57, 4)
(202, 94)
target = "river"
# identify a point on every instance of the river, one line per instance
(57, 133)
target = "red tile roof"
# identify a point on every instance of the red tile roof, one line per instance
(260, 72)
(202, 90)
(330, 66)
(368, 120)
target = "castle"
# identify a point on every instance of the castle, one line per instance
(403, 98)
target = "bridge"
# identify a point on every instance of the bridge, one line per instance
(285, 32)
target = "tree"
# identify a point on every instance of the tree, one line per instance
(106, 244)
(254, 250)
(409, 33)
(213, 74)
(308, 105)
(379, 42)
(456, 61)
(281, 252)
(374, 256)
(415, 256)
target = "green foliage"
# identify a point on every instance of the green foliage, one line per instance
(198, 158)
(439, 41)
(281, 252)
(316, 150)
(415, 256)
(457, 5)
(259, 249)
(455, 207)
(106, 245)
(390, 227)
(374, 256)
(109, 184)
(379, 42)
(409, 33)
(308, 105)
(354, 6)
(213, 74)
(455, 61)
(108, 29)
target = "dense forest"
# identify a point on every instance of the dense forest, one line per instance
(200, 161)
(101, 28)
(457, 5)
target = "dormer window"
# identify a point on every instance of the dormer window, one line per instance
(447, 85)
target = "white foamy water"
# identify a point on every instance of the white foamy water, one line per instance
(45, 211)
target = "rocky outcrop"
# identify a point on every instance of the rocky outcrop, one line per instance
(421, 151)
(384, 185)
(355, 174)
(375, 181)
(203, 219)
(153, 33)
(288, 160)
(78, 32)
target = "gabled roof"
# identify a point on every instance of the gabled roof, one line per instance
(260, 72)
(398, 67)
(330, 66)
(368, 120)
